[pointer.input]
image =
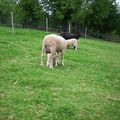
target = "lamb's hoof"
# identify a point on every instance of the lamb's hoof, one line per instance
(56, 65)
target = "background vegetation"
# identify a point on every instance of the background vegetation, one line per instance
(101, 16)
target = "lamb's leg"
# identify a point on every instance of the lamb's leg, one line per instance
(75, 46)
(56, 59)
(48, 60)
(51, 60)
(62, 57)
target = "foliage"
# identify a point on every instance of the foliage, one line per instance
(101, 13)
(30, 10)
(95, 14)
(6, 6)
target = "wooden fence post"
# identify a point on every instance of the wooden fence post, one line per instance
(46, 24)
(69, 27)
(12, 22)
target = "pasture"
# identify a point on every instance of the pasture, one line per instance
(87, 87)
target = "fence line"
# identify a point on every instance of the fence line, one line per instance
(50, 26)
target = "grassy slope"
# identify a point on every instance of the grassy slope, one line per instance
(86, 88)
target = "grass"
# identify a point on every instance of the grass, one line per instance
(86, 88)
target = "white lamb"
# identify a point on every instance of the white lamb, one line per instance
(55, 59)
(72, 42)
(52, 45)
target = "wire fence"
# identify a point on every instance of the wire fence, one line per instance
(50, 25)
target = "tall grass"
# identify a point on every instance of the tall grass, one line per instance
(86, 88)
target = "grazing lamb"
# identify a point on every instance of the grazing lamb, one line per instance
(67, 36)
(52, 45)
(72, 42)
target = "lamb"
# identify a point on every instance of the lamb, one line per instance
(72, 42)
(55, 60)
(52, 45)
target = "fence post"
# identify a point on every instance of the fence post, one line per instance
(12, 22)
(86, 32)
(69, 27)
(46, 24)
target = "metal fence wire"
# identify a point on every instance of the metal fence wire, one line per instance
(51, 25)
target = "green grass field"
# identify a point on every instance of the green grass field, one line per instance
(86, 88)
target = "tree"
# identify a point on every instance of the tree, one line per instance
(100, 14)
(29, 11)
(6, 6)
(62, 11)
